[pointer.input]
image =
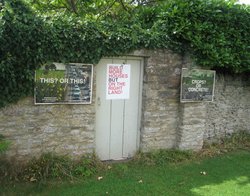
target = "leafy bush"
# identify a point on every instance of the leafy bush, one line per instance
(215, 32)
(21, 36)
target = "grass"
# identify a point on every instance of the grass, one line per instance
(226, 174)
(221, 168)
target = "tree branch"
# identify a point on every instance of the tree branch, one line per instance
(106, 10)
(72, 5)
(124, 7)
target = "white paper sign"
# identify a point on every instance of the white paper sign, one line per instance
(118, 81)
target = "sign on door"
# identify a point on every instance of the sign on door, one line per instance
(118, 81)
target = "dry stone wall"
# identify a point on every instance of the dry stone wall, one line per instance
(165, 122)
(34, 130)
(230, 111)
(160, 116)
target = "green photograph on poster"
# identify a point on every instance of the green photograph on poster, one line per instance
(59, 83)
(197, 85)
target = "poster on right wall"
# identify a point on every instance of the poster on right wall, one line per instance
(197, 85)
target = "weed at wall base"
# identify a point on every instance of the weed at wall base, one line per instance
(49, 166)
(4, 144)
(235, 141)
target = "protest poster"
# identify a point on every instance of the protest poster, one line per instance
(59, 83)
(197, 85)
(118, 81)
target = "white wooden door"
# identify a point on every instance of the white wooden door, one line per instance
(118, 121)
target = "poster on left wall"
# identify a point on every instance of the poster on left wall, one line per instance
(59, 83)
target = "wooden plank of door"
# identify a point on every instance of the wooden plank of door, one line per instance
(117, 125)
(102, 112)
(116, 131)
(131, 113)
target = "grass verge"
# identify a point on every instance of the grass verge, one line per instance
(228, 174)
(219, 169)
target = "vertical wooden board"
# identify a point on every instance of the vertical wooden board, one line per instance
(131, 113)
(102, 112)
(117, 124)
(116, 136)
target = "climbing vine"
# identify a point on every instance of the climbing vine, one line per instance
(215, 32)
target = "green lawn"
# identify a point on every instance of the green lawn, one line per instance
(227, 174)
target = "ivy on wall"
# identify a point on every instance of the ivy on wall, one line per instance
(215, 32)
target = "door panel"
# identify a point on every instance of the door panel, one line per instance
(116, 130)
(131, 112)
(102, 112)
(118, 121)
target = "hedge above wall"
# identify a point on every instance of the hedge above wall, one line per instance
(215, 32)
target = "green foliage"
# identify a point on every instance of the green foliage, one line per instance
(215, 32)
(86, 167)
(224, 175)
(4, 144)
(21, 36)
(235, 141)
(47, 167)
(161, 157)
(89, 8)
(54, 167)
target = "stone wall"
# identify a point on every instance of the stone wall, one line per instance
(160, 110)
(230, 111)
(36, 129)
(166, 123)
